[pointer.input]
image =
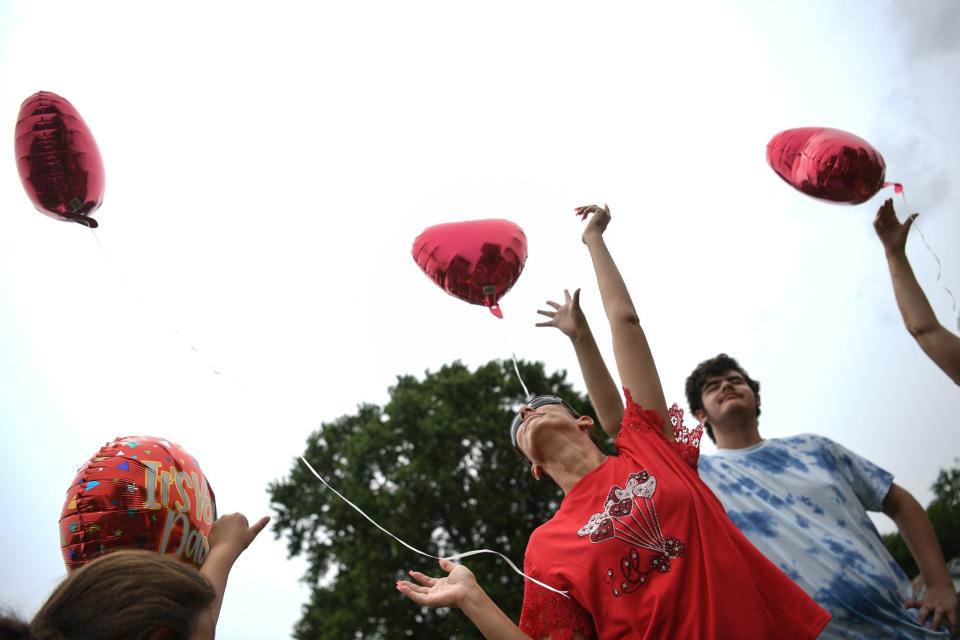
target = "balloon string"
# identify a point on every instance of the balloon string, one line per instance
(453, 557)
(126, 283)
(955, 308)
(526, 392)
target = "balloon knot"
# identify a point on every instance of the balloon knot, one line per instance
(84, 220)
(495, 310)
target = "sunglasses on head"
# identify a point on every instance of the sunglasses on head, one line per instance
(536, 403)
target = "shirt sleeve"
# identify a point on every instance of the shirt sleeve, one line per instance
(686, 442)
(869, 482)
(546, 614)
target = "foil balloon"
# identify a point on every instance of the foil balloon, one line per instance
(139, 492)
(477, 261)
(58, 159)
(827, 164)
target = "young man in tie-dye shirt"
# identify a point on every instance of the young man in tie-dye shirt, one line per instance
(803, 502)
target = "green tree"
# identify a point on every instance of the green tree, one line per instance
(944, 513)
(435, 467)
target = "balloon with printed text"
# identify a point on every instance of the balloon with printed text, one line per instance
(58, 159)
(827, 164)
(477, 261)
(138, 492)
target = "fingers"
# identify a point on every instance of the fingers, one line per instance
(576, 298)
(446, 565)
(413, 588)
(937, 619)
(407, 590)
(422, 578)
(544, 312)
(566, 296)
(885, 212)
(952, 620)
(553, 304)
(257, 527)
(909, 222)
(923, 614)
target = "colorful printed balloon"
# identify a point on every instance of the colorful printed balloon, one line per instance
(477, 261)
(58, 159)
(827, 164)
(139, 492)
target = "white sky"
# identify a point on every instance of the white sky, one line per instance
(268, 168)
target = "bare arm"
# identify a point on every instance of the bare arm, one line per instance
(940, 598)
(638, 371)
(229, 537)
(942, 346)
(459, 589)
(601, 388)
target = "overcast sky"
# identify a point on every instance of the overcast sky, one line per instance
(269, 166)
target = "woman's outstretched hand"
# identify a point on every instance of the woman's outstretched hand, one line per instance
(450, 591)
(891, 232)
(597, 224)
(567, 316)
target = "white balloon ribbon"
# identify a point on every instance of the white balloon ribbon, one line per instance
(454, 557)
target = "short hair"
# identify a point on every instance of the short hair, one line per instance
(714, 367)
(125, 594)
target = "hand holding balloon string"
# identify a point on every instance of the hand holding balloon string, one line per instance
(893, 234)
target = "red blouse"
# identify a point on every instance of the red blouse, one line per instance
(645, 550)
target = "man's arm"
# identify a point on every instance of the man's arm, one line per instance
(940, 598)
(936, 341)
(603, 392)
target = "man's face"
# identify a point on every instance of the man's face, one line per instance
(726, 395)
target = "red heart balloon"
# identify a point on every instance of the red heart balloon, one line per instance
(477, 261)
(58, 159)
(827, 164)
(139, 492)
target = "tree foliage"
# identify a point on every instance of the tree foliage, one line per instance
(435, 467)
(944, 513)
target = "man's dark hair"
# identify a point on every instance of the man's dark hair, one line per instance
(714, 367)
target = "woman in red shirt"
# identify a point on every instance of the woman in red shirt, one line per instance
(640, 547)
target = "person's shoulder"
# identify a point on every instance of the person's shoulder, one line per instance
(803, 441)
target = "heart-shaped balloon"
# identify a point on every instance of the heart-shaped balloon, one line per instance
(827, 164)
(58, 159)
(477, 261)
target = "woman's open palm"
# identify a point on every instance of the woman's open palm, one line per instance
(449, 591)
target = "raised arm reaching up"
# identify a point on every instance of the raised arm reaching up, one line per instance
(603, 392)
(638, 371)
(941, 345)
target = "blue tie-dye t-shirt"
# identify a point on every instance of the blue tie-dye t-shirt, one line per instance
(803, 502)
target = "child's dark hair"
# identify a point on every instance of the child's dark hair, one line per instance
(122, 595)
(714, 367)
